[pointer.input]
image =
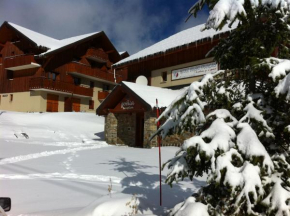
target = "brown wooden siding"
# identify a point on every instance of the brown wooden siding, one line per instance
(87, 70)
(181, 56)
(103, 94)
(20, 79)
(18, 60)
(98, 52)
(42, 82)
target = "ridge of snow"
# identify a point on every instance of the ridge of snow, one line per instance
(57, 175)
(150, 93)
(179, 39)
(283, 87)
(220, 134)
(249, 144)
(49, 153)
(49, 42)
(190, 208)
(279, 67)
(278, 197)
(230, 9)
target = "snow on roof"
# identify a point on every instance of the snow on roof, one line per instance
(67, 41)
(150, 93)
(182, 38)
(48, 42)
(39, 39)
(120, 53)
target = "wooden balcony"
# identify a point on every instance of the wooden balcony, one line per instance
(82, 69)
(20, 62)
(44, 83)
(103, 94)
(97, 53)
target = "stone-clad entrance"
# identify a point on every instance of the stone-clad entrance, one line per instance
(130, 114)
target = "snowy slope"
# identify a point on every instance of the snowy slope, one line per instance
(65, 167)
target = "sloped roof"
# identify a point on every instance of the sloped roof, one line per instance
(146, 95)
(186, 37)
(51, 43)
(150, 93)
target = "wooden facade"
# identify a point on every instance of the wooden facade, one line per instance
(178, 56)
(25, 66)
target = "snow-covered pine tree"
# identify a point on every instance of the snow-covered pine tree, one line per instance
(240, 116)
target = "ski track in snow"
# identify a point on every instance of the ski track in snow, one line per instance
(50, 153)
(62, 176)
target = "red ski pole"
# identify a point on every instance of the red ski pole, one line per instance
(159, 144)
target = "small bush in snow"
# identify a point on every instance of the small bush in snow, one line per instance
(133, 204)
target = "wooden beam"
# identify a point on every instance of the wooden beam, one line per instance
(126, 111)
(110, 51)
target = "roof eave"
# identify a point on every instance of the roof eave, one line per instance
(23, 35)
(111, 95)
(144, 58)
(98, 34)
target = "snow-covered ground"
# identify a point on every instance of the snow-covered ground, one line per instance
(64, 167)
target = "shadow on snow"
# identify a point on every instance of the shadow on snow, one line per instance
(146, 186)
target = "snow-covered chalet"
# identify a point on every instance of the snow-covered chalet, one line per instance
(42, 74)
(169, 65)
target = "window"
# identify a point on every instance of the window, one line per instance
(52, 75)
(77, 81)
(92, 84)
(106, 87)
(91, 104)
(9, 74)
(11, 97)
(164, 76)
(76, 59)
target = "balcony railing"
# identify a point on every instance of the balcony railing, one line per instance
(103, 94)
(42, 82)
(20, 62)
(98, 53)
(93, 72)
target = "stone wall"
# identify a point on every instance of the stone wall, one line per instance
(150, 127)
(111, 128)
(126, 129)
(121, 129)
(175, 139)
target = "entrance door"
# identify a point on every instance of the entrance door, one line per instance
(76, 104)
(139, 130)
(52, 103)
(67, 104)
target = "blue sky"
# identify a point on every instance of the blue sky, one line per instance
(131, 24)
